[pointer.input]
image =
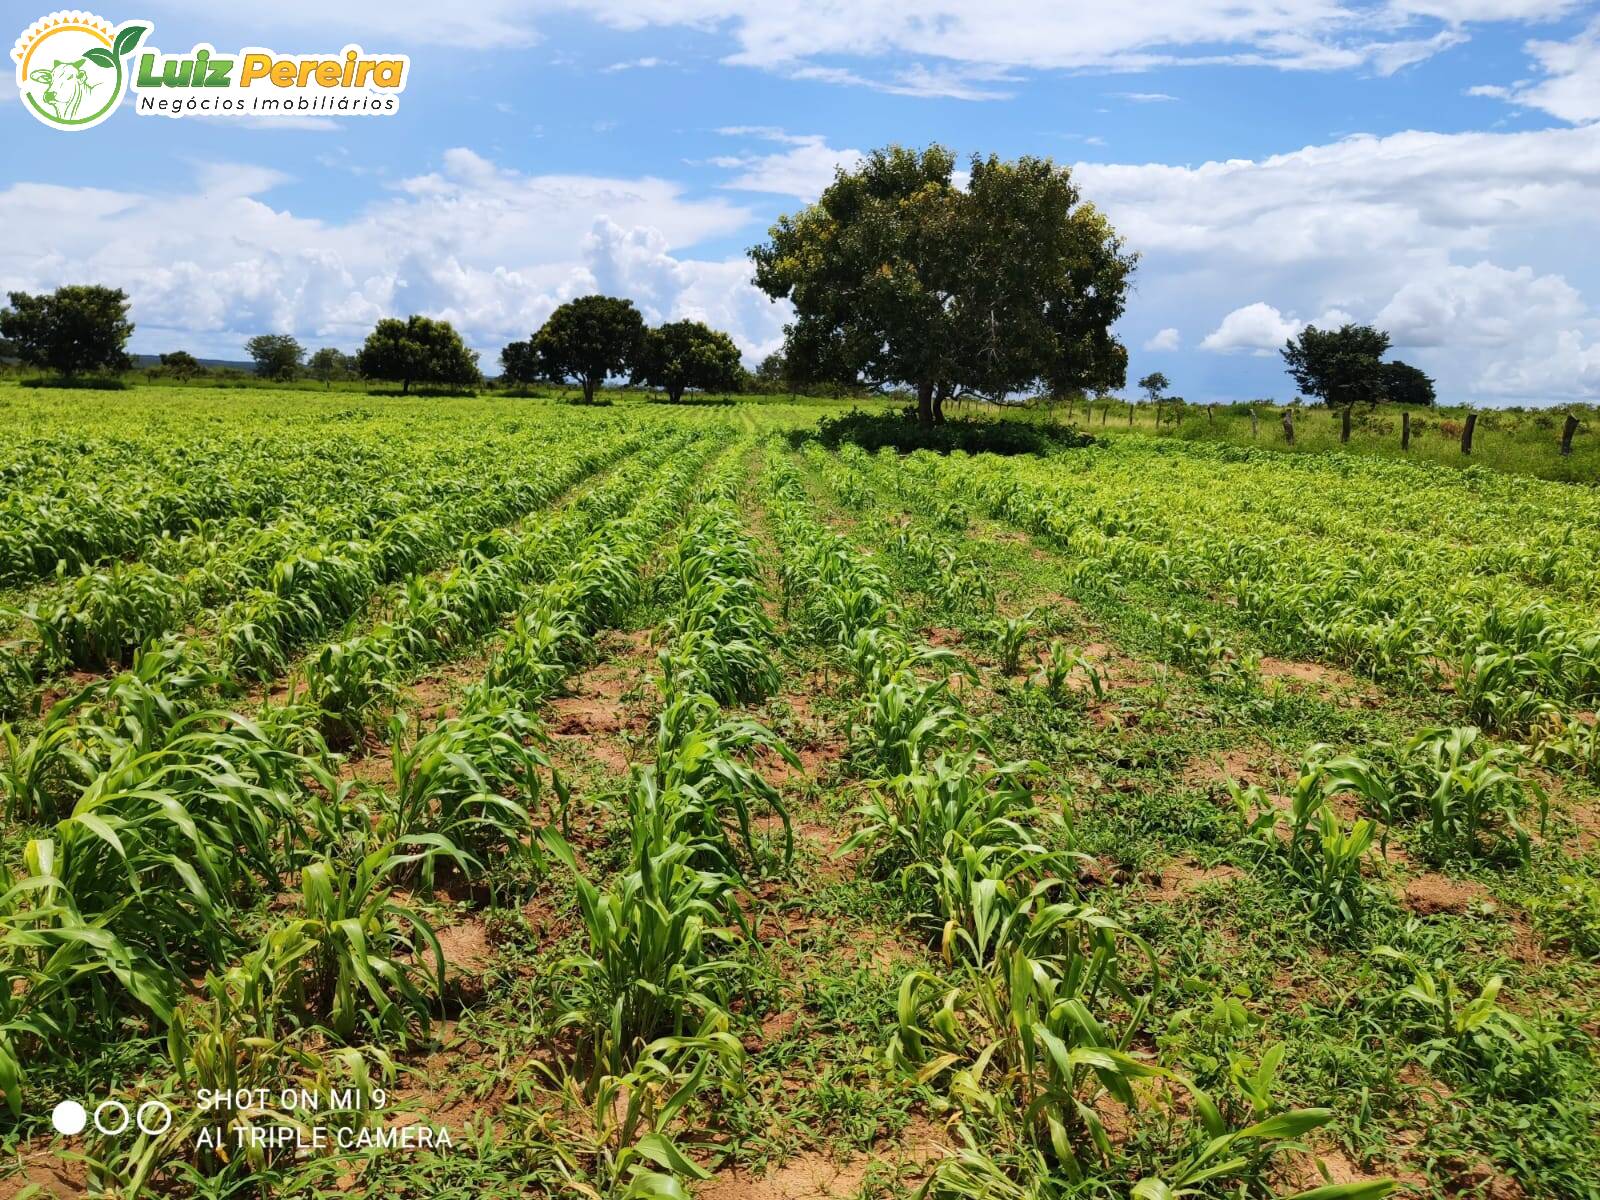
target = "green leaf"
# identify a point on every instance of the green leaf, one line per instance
(127, 39)
(100, 57)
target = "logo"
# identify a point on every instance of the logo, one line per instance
(71, 70)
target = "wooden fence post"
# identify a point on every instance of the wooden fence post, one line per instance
(1288, 425)
(1405, 431)
(1254, 421)
(1211, 412)
(1567, 430)
(1344, 424)
(1130, 414)
(1466, 432)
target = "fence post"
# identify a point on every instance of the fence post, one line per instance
(1466, 432)
(1405, 430)
(1211, 412)
(1344, 424)
(1567, 430)
(1130, 414)
(1288, 425)
(1254, 420)
(1105, 413)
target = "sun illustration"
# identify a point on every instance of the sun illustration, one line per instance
(70, 69)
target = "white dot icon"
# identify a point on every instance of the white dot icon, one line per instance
(69, 1117)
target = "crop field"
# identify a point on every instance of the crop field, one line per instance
(452, 798)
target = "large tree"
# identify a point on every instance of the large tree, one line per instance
(899, 276)
(276, 355)
(1340, 366)
(417, 350)
(589, 339)
(1405, 384)
(70, 331)
(687, 354)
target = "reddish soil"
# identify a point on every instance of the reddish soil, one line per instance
(1328, 682)
(815, 1176)
(1429, 894)
(1180, 877)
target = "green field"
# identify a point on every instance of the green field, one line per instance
(659, 803)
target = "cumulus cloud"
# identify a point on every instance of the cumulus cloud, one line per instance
(803, 169)
(1163, 339)
(1450, 239)
(490, 249)
(1570, 88)
(1257, 327)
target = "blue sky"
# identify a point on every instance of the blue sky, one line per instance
(1429, 165)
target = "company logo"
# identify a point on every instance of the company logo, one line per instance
(73, 69)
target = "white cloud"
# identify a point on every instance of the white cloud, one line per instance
(637, 64)
(1144, 97)
(490, 249)
(1164, 339)
(1570, 88)
(1257, 327)
(951, 37)
(1460, 242)
(803, 170)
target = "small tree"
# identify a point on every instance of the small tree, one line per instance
(276, 355)
(329, 364)
(70, 331)
(180, 364)
(772, 375)
(1405, 384)
(417, 350)
(589, 339)
(1340, 366)
(1153, 385)
(519, 364)
(687, 354)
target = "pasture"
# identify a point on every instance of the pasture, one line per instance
(661, 803)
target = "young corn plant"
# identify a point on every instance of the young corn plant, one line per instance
(1317, 854)
(650, 967)
(1468, 795)
(1010, 635)
(105, 615)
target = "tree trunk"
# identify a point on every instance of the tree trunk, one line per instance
(405, 387)
(925, 403)
(588, 390)
(1405, 431)
(1288, 425)
(675, 394)
(1466, 433)
(1344, 424)
(938, 407)
(1567, 430)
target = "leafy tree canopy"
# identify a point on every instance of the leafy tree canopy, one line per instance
(1405, 384)
(180, 364)
(417, 350)
(70, 331)
(897, 276)
(1154, 384)
(276, 355)
(589, 339)
(328, 364)
(1339, 366)
(519, 363)
(687, 354)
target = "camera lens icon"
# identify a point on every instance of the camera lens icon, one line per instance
(112, 1118)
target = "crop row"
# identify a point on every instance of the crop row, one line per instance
(1027, 1031)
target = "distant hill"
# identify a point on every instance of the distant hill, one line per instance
(153, 360)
